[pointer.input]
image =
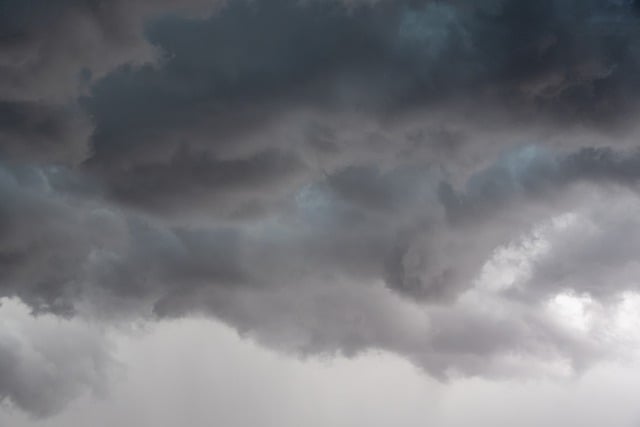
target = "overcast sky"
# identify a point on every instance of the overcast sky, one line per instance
(320, 212)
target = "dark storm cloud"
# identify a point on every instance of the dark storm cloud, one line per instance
(33, 131)
(297, 281)
(229, 84)
(51, 52)
(235, 187)
(58, 247)
(309, 281)
(323, 176)
(251, 61)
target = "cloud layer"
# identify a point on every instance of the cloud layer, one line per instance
(422, 177)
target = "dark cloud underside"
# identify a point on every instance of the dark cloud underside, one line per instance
(322, 175)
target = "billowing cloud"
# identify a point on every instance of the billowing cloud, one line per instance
(52, 53)
(421, 177)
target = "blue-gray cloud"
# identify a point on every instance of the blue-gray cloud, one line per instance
(305, 171)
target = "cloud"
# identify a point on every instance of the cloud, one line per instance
(46, 361)
(31, 131)
(53, 53)
(197, 370)
(259, 77)
(325, 177)
(384, 268)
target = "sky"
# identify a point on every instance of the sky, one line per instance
(319, 212)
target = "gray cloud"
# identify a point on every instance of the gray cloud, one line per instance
(231, 94)
(311, 280)
(324, 177)
(53, 53)
(46, 361)
(32, 131)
